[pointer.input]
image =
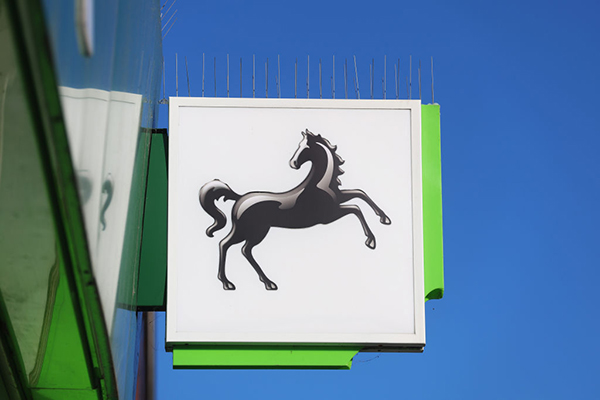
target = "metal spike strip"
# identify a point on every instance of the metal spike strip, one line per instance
(278, 78)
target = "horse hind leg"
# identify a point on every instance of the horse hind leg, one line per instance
(224, 245)
(247, 252)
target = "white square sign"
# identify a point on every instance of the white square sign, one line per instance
(295, 221)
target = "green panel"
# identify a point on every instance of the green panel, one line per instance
(275, 357)
(432, 202)
(153, 264)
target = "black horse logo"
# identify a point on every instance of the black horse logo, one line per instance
(317, 200)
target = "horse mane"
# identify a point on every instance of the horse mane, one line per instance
(337, 159)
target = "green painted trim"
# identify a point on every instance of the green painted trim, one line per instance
(432, 201)
(264, 357)
(36, 66)
(153, 264)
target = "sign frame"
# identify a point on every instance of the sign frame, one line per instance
(367, 342)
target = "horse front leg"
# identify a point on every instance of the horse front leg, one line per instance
(357, 193)
(353, 209)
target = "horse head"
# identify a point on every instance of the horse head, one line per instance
(302, 154)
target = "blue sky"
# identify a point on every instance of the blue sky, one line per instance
(516, 82)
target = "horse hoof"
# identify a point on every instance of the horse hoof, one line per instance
(228, 285)
(385, 220)
(370, 243)
(270, 286)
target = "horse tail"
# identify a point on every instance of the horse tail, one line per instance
(211, 192)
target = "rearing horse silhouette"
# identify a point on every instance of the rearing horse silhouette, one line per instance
(317, 200)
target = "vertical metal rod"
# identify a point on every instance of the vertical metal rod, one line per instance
(308, 76)
(296, 79)
(396, 81)
(371, 68)
(202, 74)
(407, 92)
(164, 87)
(385, 76)
(227, 75)
(357, 87)
(410, 75)
(187, 74)
(267, 79)
(240, 77)
(176, 77)
(320, 81)
(432, 98)
(346, 77)
(333, 80)
(253, 74)
(419, 79)
(278, 77)
(215, 75)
